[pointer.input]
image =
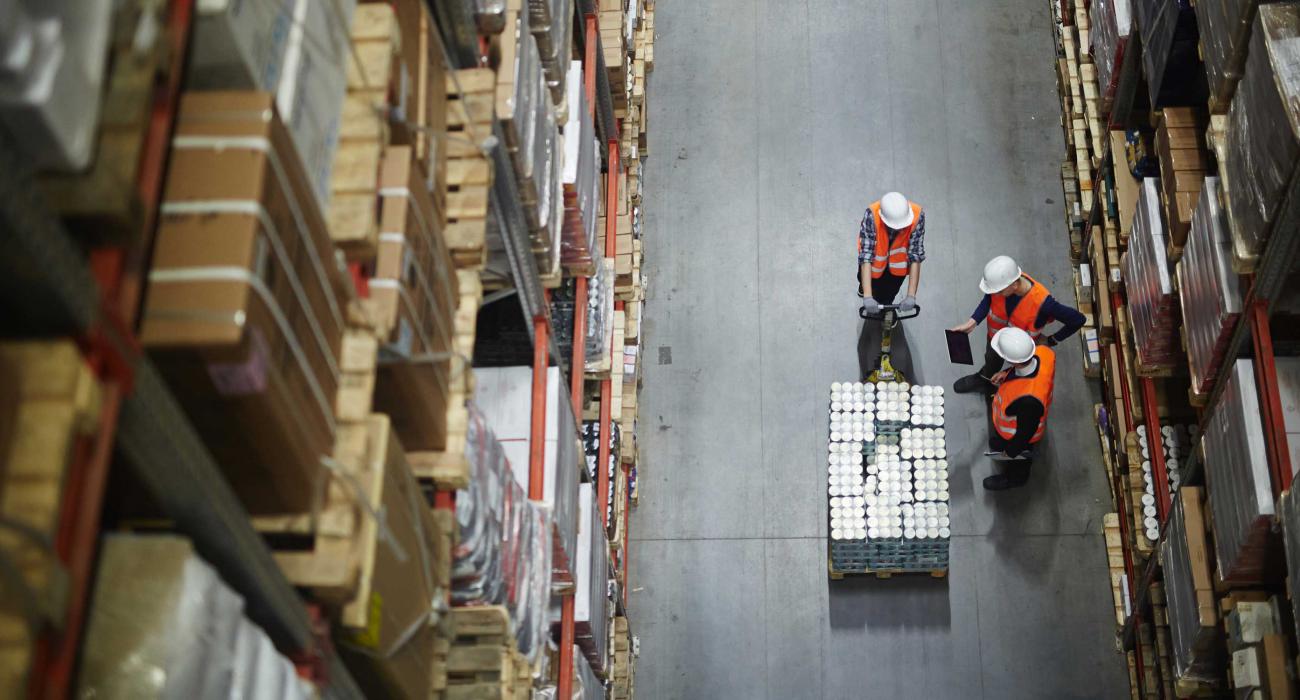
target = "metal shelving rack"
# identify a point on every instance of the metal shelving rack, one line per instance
(50, 289)
(459, 32)
(1279, 259)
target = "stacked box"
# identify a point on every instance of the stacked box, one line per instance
(1152, 303)
(1261, 138)
(1180, 146)
(1238, 480)
(244, 314)
(1209, 289)
(1112, 22)
(1189, 588)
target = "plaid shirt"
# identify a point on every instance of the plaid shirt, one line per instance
(867, 239)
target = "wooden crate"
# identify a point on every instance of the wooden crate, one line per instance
(49, 401)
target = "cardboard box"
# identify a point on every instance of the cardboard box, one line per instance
(389, 618)
(244, 313)
(416, 291)
(1194, 518)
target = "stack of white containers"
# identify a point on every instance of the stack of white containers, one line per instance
(1211, 291)
(1151, 298)
(887, 475)
(1175, 445)
(1237, 479)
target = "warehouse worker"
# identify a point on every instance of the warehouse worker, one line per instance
(1019, 410)
(891, 247)
(1012, 298)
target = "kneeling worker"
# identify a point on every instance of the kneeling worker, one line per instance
(1013, 299)
(1020, 406)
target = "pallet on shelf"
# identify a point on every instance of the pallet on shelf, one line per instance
(470, 113)
(624, 668)
(49, 400)
(482, 662)
(353, 216)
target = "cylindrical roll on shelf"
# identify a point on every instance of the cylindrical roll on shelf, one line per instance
(1238, 480)
(1211, 291)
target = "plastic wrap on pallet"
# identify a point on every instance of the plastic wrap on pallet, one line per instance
(600, 315)
(581, 178)
(164, 625)
(551, 22)
(1157, 20)
(1112, 21)
(1218, 33)
(503, 556)
(591, 579)
(1237, 478)
(1289, 514)
(504, 395)
(1209, 289)
(1151, 299)
(1195, 653)
(1263, 124)
(520, 110)
(589, 686)
(591, 449)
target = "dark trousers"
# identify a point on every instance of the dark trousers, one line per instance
(885, 289)
(1017, 470)
(992, 361)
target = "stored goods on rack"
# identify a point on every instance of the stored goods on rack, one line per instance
(1238, 480)
(1152, 302)
(1189, 587)
(164, 625)
(581, 180)
(1224, 29)
(1180, 147)
(49, 399)
(624, 670)
(593, 607)
(415, 290)
(1260, 653)
(482, 661)
(503, 556)
(246, 308)
(1175, 446)
(1289, 516)
(1112, 23)
(1169, 60)
(551, 23)
(1261, 136)
(1210, 291)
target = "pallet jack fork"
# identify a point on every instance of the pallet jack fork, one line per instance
(889, 317)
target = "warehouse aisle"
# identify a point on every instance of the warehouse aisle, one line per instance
(775, 124)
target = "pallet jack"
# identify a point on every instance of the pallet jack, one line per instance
(889, 317)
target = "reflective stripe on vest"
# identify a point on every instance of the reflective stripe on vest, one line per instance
(1026, 313)
(1038, 386)
(894, 258)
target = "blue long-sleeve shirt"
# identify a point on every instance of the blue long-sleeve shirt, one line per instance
(1052, 310)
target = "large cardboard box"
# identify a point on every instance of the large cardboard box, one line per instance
(244, 313)
(416, 292)
(389, 619)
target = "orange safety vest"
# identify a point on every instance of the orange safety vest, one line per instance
(1015, 387)
(1026, 312)
(895, 258)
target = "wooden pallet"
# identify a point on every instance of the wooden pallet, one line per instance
(470, 113)
(49, 401)
(481, 659)
(448, 468)
(353, 216)
(837, 575)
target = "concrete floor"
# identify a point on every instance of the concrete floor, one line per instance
(773, 123)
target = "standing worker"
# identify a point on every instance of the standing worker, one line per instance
(891, 247)
(1019, 410)
(1013, 299)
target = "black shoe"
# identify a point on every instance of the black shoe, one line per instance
(1001, 482)
(973, 383)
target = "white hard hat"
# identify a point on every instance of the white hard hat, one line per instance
(895, 210)
(1013, 345)
(999, 273)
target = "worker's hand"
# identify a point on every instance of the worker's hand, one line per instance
(966, 327)
(1000, 377)
(870, 306)
(909, 303)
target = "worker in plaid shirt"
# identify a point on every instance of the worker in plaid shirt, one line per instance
(891, 248)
